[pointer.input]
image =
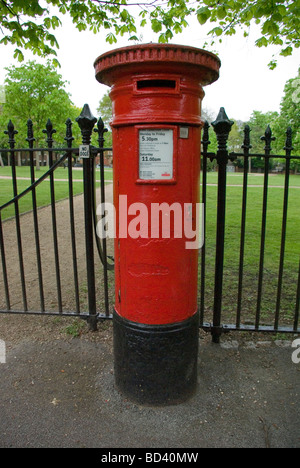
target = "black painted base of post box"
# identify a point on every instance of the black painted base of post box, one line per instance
(156, 364)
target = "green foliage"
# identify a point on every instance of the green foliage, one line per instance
(37, 92)
(258, 124)
(2, 95)
(105, 109)
(105, 112)
(208, 116)
(279, 21)
(29, 25)
(289, 116)
(75, 329)
(290, 113)
(18, 20)
(236, 136)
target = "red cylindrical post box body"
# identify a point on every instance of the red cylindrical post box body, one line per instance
(156, 94)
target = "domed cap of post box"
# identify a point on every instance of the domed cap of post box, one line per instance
(157, 58)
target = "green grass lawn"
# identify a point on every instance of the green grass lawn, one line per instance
(60, 173)
(43, 190)
(42, 194)
(255, 179)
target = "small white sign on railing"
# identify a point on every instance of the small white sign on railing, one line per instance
(84, 152)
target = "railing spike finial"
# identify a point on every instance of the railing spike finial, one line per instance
(289, 141)
(205, 139)
(86, 122)
(101, 130)
(268, 138)
(222, 127)
(69, 135)
(11, 132)
(49, 131)
(30, 138)
(247, 142)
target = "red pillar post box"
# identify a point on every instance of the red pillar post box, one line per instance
(156, 91)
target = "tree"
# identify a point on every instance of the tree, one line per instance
(105, 109)
(290, 117)
(258, 124)
(290, 113)
(105, 112)
(236, 136)
(37, 92)
(2, 95)
(28, 25)
(279, 21)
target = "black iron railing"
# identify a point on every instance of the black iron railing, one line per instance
(213, 289)
(86, 123)
(218, 325)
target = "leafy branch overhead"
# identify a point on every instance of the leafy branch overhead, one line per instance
(29, 25)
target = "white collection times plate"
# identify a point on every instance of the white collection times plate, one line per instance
(156, 154)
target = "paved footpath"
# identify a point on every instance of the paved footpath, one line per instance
(58, 391)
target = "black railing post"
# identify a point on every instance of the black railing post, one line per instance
(205, 144)
(246, 148)
(11, 132)
(69, 139)
(30, 139)
(267, 138)
(222, 127)
(288, 151)
(101, 130)
(86, 122)
(50, 131)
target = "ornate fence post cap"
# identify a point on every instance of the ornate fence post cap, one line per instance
(222, 122)
(86, 122)
(222, 127)
(86, 115)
